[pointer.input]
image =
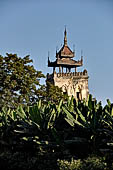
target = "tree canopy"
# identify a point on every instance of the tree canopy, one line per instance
(18, 80)
(50, 92)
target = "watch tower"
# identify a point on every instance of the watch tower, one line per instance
(66, 77)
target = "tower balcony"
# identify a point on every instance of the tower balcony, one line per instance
(67, 75)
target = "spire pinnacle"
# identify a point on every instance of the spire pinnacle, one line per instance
(65, 37)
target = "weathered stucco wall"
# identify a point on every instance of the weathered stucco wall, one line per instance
(75, 84)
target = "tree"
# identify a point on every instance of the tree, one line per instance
(18, 80)
(50, 92)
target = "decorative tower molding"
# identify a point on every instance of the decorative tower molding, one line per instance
(72, 82)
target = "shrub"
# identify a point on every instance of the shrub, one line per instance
(91, 163)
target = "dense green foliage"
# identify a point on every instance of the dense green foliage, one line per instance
(20, 83)
(41, 128)
(18, 80)
(67, 129)
(91, 163)
(50, 92)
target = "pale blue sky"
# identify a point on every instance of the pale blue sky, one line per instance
(35, 27)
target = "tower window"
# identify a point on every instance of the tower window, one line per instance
(78, 95)
(65, 92)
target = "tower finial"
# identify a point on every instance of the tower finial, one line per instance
(74, 49)
(48, 56)
(65, 37)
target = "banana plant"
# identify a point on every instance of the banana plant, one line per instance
(108, 119)
(55, 112)
(88, 115)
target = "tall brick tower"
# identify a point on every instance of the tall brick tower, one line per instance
(66, 77)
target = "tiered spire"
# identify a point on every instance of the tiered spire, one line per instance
(64, 57)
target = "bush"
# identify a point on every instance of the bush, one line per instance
(66, 165)
(91, 163)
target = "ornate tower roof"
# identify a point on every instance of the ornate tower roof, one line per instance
(64, 57)
(65, 51)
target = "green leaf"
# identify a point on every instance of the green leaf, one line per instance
(21, 112)
(109, 103)
(112, 111)
(81, 116)
(39, 104)
(68, 114)
(70, 121)
(59, 106)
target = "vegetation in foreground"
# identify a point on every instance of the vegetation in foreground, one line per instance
(48, 134)
(43, 129)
